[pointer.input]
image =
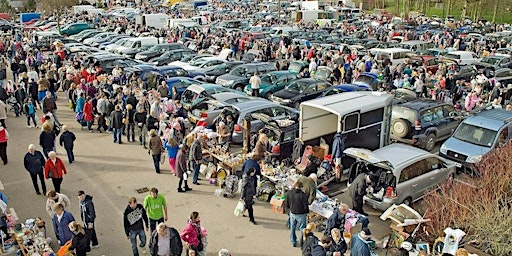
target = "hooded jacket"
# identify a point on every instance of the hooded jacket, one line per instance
(190, 233)
(135, 219)
(34, 163)
(87, 213)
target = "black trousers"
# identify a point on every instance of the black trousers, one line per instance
(3, 151)
(34, 182)
(248, 206)
(56, 184)
(357, 204)
(91, 235)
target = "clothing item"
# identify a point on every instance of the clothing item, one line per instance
(155, 206)
(60, 225)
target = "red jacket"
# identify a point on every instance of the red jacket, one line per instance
(189, 234)
(88, 116)
(58, 168)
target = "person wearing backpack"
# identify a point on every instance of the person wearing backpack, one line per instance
(164, 232)
(192, 233)
(309, 239)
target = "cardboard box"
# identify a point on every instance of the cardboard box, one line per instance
(277, 204)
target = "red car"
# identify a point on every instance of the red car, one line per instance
(431, 64)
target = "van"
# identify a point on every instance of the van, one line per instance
(476, 136)
(133, 45)
(75, 28)
(416, 46)
(155, 20)
(282, 30)
(462, 57)
(395, 55)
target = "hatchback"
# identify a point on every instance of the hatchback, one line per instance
(273, 82)
(403, 174)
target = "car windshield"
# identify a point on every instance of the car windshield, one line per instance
(364, 79)
(490, 60)
(475, 135)
(298, 86)
(221, 67)
(268, 78)
(154, 48)
(241, 71)
(295, 66)
(322, 73)
(198, 62)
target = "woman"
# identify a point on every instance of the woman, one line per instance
(79, 242)
(181, 168)
(338, 245)
(248, 192)
(309, 239)
(61, 220)
(192, 233)
(260, 150)
(47, 138)
(155, 149)
(54, 168)
(80, 103)
(4, 137)
(88, 115)
(172, 150)
(130, 129)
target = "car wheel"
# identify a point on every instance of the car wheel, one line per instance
(268, 95)
(407, 201)
(400, 128)
(239, 87)
(431, 142)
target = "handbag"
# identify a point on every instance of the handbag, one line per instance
(51, 175)
(239, 209)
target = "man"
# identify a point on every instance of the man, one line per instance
(135, 219)
(309, 186)
(252, 162)
(360, 246)
(61, 220)
(101, 108)
(165, 241)
(54, 198)
(34, 163)
(88, 215)
(156, 207)
(49, 105)
(297, 202)
(195, 156)
(357, 190)
(67, 139)
(117, 123)
(249, 192)
(255, 83)
(163, 89)
(343, 218)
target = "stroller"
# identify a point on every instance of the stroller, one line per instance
(230, 186)
(15, 106)
(80, 119)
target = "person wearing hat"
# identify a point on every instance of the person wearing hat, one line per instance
(360, 245)
(88, 215)
(358, 190)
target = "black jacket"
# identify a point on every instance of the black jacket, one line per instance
(47, 140)
(131, 100)
(87, 212)
(358, 186)
(248, 189)
(117, 119)
(150, 122)
(296, 201)
(66, 139)
(34, 163)
(336, 220)
(140, 117)
(49, 105)
(135, 219)
(79, 242)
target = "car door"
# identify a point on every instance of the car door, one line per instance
(413, 181)
(428, 118)
(452, 123)
(436, 173)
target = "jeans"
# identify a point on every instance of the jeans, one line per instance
(133, 240)
(46, 151)
(55, 117)
(89, 125)
(156, 162)
(117, 135)
(195, 165)
(153, 223)
(33, 117)
(34, 182)
(363, 220)
(142, 135)
(71, 156)
(301, 220)
(130, 132)
(56, 184)
(91, 236)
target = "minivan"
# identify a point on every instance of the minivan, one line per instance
(239, 77)
(416, 46)
(476, 136)
(395, 55)
(133, 45)
(462, 57)
(75, 28)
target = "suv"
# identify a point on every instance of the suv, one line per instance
(478, 135)
(239, 77)
(423, 122)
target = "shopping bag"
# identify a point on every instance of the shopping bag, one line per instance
(64, 250)
(239, 209)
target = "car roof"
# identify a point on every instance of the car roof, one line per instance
(223, 96)
(421, 104)
(279, 72)
(398, 153)
(492, 119)
(254, 104)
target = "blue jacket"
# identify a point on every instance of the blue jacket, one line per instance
(336, 220)
(359, 247)
(34, 163)
(80, 103)
(61, 227)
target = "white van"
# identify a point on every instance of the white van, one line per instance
(155, 20)
(462, 57)
(133, 44)
(395, 55)
(282, 30)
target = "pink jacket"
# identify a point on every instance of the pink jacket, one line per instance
(189, 234)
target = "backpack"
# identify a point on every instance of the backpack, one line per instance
(311, 240)
(176, 245)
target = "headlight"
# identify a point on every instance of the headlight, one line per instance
(230, 82)
(474, 159)
(286, 100)
(140, 56)
(443, 149)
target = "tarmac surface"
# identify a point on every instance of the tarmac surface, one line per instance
(112, 173)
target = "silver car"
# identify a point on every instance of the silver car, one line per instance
(406, 172)
(214, 104)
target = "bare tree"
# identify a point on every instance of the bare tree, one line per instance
(56, 6)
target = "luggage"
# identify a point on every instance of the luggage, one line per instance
(80, 119)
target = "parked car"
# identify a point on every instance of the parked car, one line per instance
(181, 83)
(158, 50)
(214, 104)
(195, 93)
(300, 90)
(494, 62)
(224, 68)
(423, 122)
(99, 36)
(84, 34)
(173, 71)
(272, 82)
(239, 77)
(109, 61)
(281, 134)
(337, 89)
(407, 173)
(204, 62)
(170, 56)
(462, 57)
(476, 136)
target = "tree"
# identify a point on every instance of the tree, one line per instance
(5, 6)
(30, 5)
(56, 6)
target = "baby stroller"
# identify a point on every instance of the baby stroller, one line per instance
(15, 106)
(230, 186)
(80, 119)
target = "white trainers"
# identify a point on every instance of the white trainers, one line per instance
(95, 246)
(143, 250)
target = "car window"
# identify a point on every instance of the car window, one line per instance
(433, 163)
(310, 88)
(428, 115)
(236, 100)
(503, 137)
(438, 112)
(412, 171)
(278, 111)
(447, 109)
(503, 73)
(321, 86)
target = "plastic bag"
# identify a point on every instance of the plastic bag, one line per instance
(239, 209)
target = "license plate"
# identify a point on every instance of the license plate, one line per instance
(458, 165)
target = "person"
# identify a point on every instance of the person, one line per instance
(345, 218)
(140, 120)
(4, 137)
(54, 198)
(255, 83)
(117, 123)
(130, 129)
(172, 148)
(54, 168)
(338, 245)
(3, 113)
(79, 241)
(67, 139)
(309, 186)
(61, 220)
(156, 207)
(34, 163)
(260, 149)
(101, 108)
(252, 162)
(163, 89)
(191, 234)
(249, 192)
(224, 252)
(49, 105)
(359, 245)
(155, 149)
(88, 216)
(181, 168)
(357, 190)
(135, 219)
(158, 244)
(224, 135)
(47, 139)
(30, 111)
(297, 203)
(195, 156)
(88, 114)
(311, 243)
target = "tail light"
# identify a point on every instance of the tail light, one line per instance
(390, 192)
(417, 125)
(237, 128)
